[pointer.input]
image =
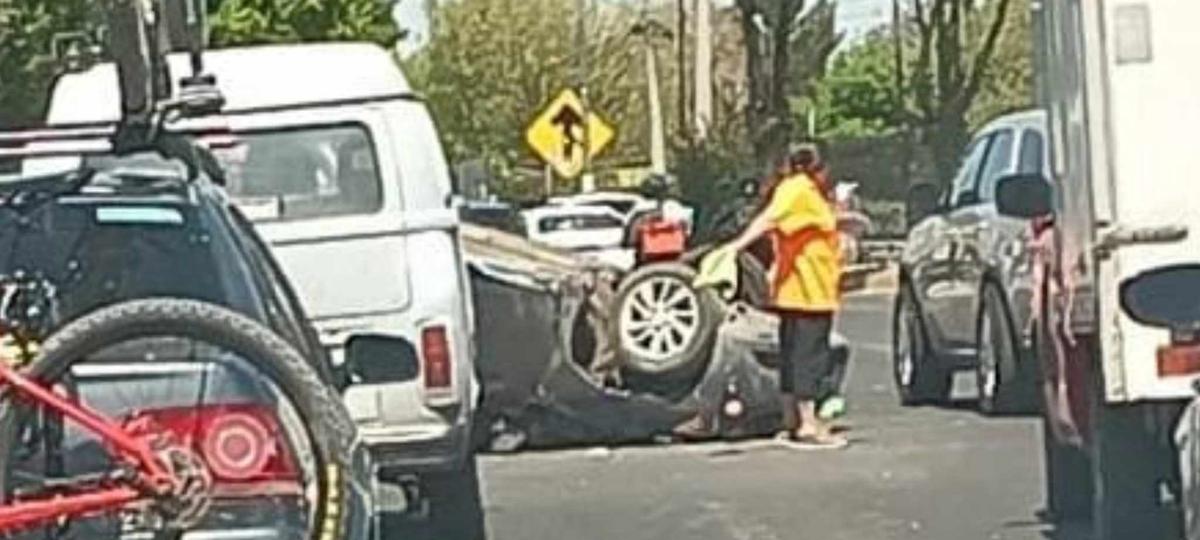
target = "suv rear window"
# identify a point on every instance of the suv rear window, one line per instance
(303, 173)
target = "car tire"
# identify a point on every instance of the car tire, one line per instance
(1132, 459)
(456, 504)
(1068, 479)
(1004, 379)
(920, 379)
(665, 327)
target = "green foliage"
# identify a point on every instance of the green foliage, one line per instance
(957, 77)
(27, 28)
(491, 65)
(858, 96)
(245, 22)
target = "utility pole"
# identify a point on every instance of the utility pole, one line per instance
(651, 30)
(898, 46)
(583, 60)
(703, 68)
(681, 59)
(658, 151)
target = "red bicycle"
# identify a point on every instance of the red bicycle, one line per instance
(163, 417)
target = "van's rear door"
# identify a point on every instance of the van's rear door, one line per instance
(323, 194)
(1147, 72)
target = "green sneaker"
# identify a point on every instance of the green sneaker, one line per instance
(834, 407)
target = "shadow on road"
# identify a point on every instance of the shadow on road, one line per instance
(1051, 530)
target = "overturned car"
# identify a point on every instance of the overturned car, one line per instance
(555, 370)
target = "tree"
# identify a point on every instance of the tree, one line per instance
(858, 95)
(937, 102)
(245, 22)
(490, 66)
(957, 43)
(28, 29)
(786, 50)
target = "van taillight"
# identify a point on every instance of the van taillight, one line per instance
(435, 353)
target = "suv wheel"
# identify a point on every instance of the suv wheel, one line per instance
(1004, 383)
(919, 378)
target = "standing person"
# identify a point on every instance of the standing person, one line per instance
(806, 272)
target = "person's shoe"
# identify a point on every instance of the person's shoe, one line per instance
(695, 429)
(834, 407)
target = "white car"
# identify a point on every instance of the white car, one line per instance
(628, 205)
(595, 232)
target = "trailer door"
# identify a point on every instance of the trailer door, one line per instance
(1147, 174)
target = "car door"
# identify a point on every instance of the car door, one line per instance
(978, 228)
(933, 276)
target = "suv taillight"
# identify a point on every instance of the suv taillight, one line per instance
(243, 445)
(437, 362)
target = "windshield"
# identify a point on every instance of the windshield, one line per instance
(303, 173)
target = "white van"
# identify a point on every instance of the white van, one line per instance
(339, 166)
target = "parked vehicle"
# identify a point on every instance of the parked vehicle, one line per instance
(628, 204)
(338, 165)
(136, 290)
(965, 279)
(591, 231)
(1115, 204)
(159, 377)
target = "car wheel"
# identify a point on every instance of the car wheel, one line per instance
(1003, 381)
(665, 327)
(1133, 465)
(918, 376)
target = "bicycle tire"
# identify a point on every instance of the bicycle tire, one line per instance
(329, 427)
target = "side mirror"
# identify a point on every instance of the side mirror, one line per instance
(1167, 297)
(922, 201)
(1025, 196)
(372, 359)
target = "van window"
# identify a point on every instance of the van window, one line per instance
(303, 173)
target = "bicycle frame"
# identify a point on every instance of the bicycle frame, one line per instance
(153, 477)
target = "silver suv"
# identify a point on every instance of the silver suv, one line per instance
(966, 285)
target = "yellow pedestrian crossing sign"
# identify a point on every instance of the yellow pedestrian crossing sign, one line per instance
(557, 135)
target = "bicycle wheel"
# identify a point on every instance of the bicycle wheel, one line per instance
(266, 441)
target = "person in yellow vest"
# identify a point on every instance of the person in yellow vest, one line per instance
(800, 219)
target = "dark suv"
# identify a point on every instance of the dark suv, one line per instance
(142, 236)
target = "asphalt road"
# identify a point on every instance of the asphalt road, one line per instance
(932, 473)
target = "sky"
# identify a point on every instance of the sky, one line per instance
(855, 17)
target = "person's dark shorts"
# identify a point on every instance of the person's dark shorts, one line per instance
(804, 353)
